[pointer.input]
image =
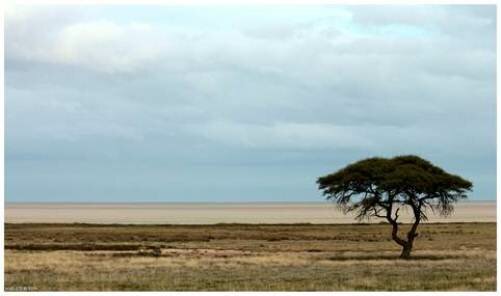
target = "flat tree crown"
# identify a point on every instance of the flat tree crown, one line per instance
(377, 183)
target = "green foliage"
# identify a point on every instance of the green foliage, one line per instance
(372, 186)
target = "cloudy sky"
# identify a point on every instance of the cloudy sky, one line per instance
(249, 103)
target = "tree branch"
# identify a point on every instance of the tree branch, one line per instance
(396, 214)
(394, 224)
(376, 213)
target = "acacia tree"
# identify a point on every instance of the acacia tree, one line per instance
(380, 187)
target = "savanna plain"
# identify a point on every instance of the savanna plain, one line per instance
(246, 257)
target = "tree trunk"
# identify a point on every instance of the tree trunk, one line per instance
(411, 235)
(406, 251)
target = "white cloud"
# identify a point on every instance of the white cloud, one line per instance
(282, 135)
(106, 46)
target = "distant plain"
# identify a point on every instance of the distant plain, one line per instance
(212, 213)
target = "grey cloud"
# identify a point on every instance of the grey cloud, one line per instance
(306, 94)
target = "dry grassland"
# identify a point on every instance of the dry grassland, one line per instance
(244, 257)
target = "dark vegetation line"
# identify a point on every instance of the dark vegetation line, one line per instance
(31, 224)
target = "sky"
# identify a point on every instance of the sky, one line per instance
(241, 103)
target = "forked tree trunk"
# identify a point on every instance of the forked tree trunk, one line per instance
(411, 235)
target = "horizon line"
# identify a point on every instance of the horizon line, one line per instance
(196, 202)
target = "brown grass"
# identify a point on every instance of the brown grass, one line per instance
(302, 257)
